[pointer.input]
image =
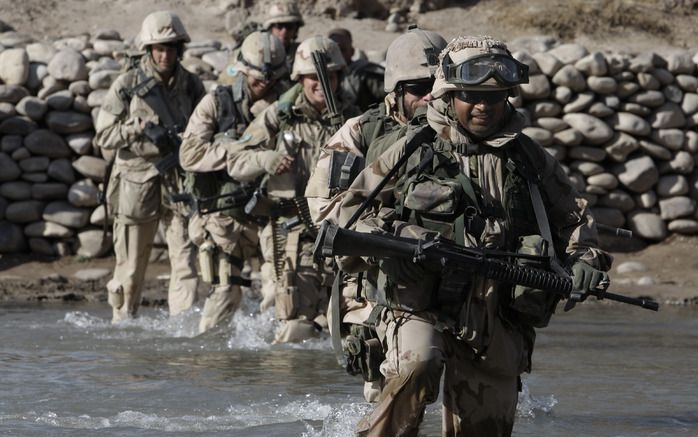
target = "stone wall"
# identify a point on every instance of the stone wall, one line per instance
(50, 172)
(625, 126)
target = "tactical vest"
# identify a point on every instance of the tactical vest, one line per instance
(435, 194)
(231, 124)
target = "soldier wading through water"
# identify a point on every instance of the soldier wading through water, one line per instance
(143, 114)
(227, 238)
(479, 182)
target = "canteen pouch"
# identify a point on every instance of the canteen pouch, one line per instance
(364, 353)
(533, 306)
(286, 303)
(115, 294)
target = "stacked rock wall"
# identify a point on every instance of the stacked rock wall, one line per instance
(50, 171)
(624, 126)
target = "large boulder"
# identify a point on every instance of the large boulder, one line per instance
(68, 65)
(65, 214)
(594, 130)
(639, 174)
(11, 238)
(9, 170)
(14, 66)
(46, 143)
(647, 225)
(68, 122)
(26, 211)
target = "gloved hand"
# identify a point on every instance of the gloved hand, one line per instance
(586, 278)
(275, 162)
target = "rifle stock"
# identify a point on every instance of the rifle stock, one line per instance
(335, 241)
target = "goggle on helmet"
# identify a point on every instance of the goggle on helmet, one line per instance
(478, 69)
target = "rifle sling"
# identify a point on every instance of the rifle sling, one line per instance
(151, 92)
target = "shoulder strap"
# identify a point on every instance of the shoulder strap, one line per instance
(150, 91)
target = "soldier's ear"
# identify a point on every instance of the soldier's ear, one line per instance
(514, 91)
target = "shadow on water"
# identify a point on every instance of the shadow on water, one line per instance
(70, 372)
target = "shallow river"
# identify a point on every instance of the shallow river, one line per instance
(66, 371)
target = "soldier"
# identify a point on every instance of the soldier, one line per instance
(481, 183)
(227, 238)
(142, 115)
(284, 21)
(363, 82)
(411, 61)
(283, 143)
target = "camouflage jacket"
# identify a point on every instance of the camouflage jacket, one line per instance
(291, 114)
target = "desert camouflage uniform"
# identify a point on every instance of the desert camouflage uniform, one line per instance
(228, 238)
(300, 295)
(138, 195)
(368, 136)
(480, 364)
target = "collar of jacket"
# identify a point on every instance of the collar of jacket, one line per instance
(447, 127)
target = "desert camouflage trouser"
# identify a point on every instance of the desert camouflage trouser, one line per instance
(299, 295)
(479, 396)
(233, 243)
(132, 246)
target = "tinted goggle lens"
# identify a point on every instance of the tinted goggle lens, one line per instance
(421, 88)
(475, 71)
(474, 97)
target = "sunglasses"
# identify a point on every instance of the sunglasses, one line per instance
(421, 88)
(474, 97)
(287, 26)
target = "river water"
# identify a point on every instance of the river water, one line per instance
(600, 370)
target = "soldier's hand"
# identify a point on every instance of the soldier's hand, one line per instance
(586, 278)
(275, 162)
(285, 165)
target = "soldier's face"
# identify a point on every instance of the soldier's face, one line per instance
(416, 95)
(480, 112)
(286, 32)
(258, 87)
(164, 56)
(313, 90)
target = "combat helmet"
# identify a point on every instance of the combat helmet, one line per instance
(477, 63)
(262, 56)
(303, 62)
(161, 27)
(283, 11)
(414, 55)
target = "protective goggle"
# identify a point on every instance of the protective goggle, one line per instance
(505, 69)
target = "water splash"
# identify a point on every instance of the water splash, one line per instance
(337, 421)
(341, 421)
(156, 324)
(529, 405)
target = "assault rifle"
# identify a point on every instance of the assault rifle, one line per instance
(221, 202)
(320, 64)
(168, 142)
(498, 265)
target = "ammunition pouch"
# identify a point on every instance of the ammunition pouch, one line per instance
(533, 306)
(364, 353)
(344, 167)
